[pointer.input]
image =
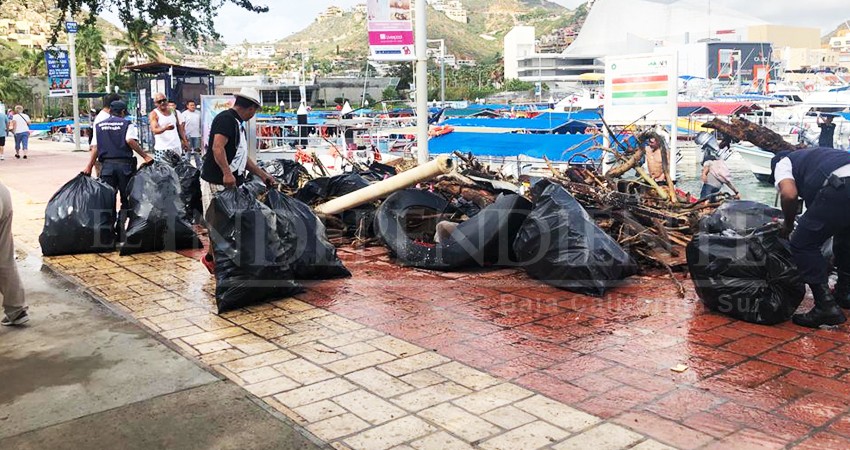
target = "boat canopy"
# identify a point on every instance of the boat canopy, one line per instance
(722, 108)
(556, 147)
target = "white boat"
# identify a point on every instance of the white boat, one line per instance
(757, 159)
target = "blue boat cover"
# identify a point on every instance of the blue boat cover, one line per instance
(552, 146)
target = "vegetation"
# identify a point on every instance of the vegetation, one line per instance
(193, 17)
(90, 49)
(139, 42)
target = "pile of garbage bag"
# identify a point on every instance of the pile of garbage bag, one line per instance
(313, 258)
(79, 218)
(288, 172)
(157, 215)
(250, 250)
(320, 190)
(739, 215)
(745, 273)
(483, 240)
(561, 245)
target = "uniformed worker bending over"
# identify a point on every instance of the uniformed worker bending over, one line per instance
(821, 177)
(116, 140)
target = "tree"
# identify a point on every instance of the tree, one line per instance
(31, 63)
(389, 94)
(12, 87)
(193, 17)
(404, 72)
(90, 49)
(139, 41)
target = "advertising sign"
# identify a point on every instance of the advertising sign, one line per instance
(58, 72)
(71, 27)
(641, 86)
(390, 27)
(211, 106)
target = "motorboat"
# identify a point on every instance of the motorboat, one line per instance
(757, 160)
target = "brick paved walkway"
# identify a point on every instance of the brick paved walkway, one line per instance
(422, 359)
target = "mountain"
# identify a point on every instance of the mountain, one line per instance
(844, 27)
(479, 38)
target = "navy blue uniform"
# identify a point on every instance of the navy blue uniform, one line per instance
(827, 199)
(115, 155)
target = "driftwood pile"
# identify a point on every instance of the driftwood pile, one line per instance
(740, 129)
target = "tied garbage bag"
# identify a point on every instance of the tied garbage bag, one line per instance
(739, 215)
(484, 240)
(250, 251)
(79, 218)
(288, 172)
(748, 276)
(561, 245)
(320, 190)
(313, 258)
(190, 185)
(157, 214)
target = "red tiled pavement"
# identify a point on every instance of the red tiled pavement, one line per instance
(747, 386)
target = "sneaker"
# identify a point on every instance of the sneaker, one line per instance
(20, 319)
(2, 158)
(17, 156)
(25, 156)
(208, 262)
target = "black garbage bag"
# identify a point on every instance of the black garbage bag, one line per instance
(79, 218)
(313, 258)
(561, 245)
(484, 240)
(255, 185)
(157, 213)
(287, 172)
(250, 251)
(749, 276)
(739, 215)
(320, 190)
(190, 185)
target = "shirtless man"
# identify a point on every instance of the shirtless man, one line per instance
(653, 160)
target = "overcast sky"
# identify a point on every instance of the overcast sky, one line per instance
(288, 16)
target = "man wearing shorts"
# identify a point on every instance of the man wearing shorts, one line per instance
(227, 162)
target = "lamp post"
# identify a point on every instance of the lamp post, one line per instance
(71, 29)
(421, 44)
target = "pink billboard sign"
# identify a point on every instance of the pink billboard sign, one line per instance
(390, 27)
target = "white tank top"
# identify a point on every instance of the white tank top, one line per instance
(168, 140)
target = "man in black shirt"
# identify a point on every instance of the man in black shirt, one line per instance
(227, 162)
(827, 131)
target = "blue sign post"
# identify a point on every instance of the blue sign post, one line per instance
(71, 27)
(58, 72)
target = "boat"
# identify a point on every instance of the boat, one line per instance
(757, 159)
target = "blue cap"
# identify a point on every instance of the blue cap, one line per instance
(117, 105)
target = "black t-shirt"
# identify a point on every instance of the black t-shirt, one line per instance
(827, 134)
(226, 124)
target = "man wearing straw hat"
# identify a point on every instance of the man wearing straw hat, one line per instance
(227, 162)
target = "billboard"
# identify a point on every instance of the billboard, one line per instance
(643, 86)
(58, 72)
(211, 106)
(390, 28)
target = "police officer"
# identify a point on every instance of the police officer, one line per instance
(821, 177)
(116, 140)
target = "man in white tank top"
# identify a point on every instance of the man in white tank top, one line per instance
(166, 129)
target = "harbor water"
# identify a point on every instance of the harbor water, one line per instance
(751, 189)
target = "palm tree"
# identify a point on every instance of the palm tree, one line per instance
(90, 48)
(12, 88)
(139, 41)
(31, 63)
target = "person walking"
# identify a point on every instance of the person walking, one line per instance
(715, 174)
(226, 163)
(192, 128)
(827, 131)
(21, 129)
(166, 129)
(4, 128)
(117, 139)
(821, 177)
(14, 303)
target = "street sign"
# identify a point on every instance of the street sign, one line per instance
(71, 27)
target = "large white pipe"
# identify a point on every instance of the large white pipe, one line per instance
(439, 166)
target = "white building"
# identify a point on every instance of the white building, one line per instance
(453, 9)
(840, 43)
(260, 52)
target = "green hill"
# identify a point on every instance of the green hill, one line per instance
(480, 38)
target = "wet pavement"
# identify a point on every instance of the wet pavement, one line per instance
(490, 359)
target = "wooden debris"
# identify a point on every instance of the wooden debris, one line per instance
(741, 129)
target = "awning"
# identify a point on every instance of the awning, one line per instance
(722, 108)
(591, 76)
(535, 124)
(556, 147)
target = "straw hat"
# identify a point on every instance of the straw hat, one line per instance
(251, 94)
